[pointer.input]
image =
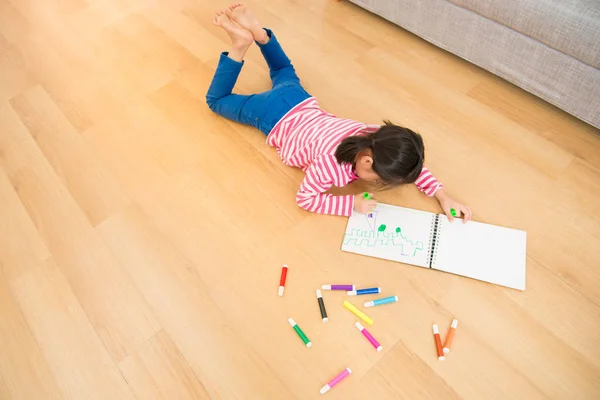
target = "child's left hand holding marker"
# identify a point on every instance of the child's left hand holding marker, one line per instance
(452, 208)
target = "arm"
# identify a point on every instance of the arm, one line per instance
(323, 173)
(429, 185)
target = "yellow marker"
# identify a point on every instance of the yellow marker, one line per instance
(357, 312)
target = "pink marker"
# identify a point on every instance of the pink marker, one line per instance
(370, 338)
(335, 380)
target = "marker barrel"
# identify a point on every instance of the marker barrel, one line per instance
(304, 338)
(438, 343)
(361, 292)
(357, 312)
(335, 380)
(338, 287)
(378, 302)
(322, 306)
(369, 337)
(450, 336)
(284, 270)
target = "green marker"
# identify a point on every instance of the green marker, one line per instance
(453, 212)
(294, 325)
(367, 196)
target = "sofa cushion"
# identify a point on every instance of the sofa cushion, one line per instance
(569, 26)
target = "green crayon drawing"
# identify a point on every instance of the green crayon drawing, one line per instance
(382, 227)
(359, 237)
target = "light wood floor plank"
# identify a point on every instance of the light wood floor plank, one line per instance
(142, 235)
(77, 357)
(33, 379)
(87, 181)
(159, 371)
(181, 301)
(95, 276)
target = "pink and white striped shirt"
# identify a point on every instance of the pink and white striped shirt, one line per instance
(307, 137)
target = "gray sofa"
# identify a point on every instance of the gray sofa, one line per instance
(550, 48)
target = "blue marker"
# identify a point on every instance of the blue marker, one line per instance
(378, 302)
(374, 290)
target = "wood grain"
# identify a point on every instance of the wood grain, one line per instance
(141, 235)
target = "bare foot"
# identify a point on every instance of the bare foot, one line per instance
(242, 16)
(241, 39)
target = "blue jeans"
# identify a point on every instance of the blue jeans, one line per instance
(262, 110)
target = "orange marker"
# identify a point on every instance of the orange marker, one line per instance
(450, 336)
(438, 343)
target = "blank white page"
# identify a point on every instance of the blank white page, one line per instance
(480, 251)
(390, 232)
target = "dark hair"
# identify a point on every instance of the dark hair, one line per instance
(398, 153)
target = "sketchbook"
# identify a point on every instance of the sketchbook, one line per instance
(480, 251)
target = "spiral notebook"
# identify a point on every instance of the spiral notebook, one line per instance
(475, 250)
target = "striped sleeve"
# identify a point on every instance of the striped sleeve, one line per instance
(427, 183)
(323, 173)
(372, 128)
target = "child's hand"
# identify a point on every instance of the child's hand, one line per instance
(363, 205)
(448, 204)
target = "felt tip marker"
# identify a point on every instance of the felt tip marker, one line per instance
(322, 306)
(370, 338)
(284, 270)
(335, 380)
(378, 302)
(360, 292)
(367, 196)
(304, 338)
(450, 336)
(357, 312)
(438, 343)
(338, 287)
(453, 212)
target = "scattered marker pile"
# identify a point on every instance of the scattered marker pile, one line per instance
(352, 291)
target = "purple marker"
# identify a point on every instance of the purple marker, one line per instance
(338, 287)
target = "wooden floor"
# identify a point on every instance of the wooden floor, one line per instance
(141, 236)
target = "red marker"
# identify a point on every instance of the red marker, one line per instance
(282, 280)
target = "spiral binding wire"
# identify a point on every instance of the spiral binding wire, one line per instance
(433, 238)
